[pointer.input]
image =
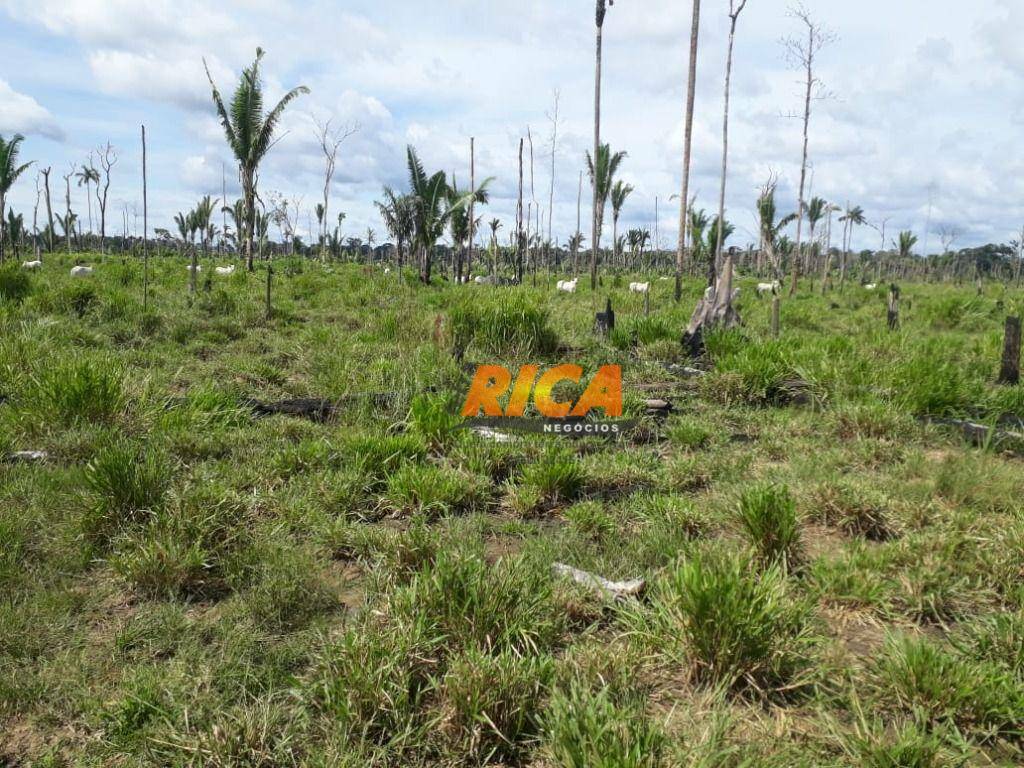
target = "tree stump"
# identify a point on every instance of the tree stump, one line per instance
(604, 322)
(893, 314)
(1010, 372)
(714, 308)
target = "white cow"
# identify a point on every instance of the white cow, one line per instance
(37, 264)
(870, 286)
(481, 280)
(773, 287)
(197, 267)
(230, 270)
(569, 286)
(387, 270)
(639, 287)
(81, 271)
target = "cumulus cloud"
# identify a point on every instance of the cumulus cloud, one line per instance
(937, 106)
(23, 114)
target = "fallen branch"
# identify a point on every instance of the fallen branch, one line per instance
(26, 456)
(981, 434)
(614, 589)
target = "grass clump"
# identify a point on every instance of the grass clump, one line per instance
(15, 284)
(126, 484)
(586, 729)
(554, 478)
(80, 390)
(736, 626)
(941, 688)
(769, 519)
(507, 325)
(434, 490)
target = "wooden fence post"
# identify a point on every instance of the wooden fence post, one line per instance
(1010, 372)
(775, 316)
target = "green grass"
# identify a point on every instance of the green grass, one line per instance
(830, 579)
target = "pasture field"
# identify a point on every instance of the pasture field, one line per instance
(832, 580)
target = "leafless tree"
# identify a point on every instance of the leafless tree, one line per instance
(330, 140)
(108, 158)
(802, 51)
(691, 89)
(734, 14)
(948, 234)
(49, 206)
(553, 118)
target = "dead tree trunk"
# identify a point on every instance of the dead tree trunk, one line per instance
(1010, 372)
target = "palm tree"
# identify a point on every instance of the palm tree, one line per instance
(15, 230)
(718, 229)
(906, 243)
(620, 191)
(396, 212)
(853, 217)
(203, 218)
(432, 208)
(816, 211)
(9, 173)
(88, 175)
(459, 221)
(495, 225)
(601, 175)
(599, 200)
(769, 229)
(698, 224)
(250, 135)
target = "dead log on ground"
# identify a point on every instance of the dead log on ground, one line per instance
(614, 589)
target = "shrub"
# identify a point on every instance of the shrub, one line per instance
(77, 298)
(584, 729)
(768, 515)
(80, 390)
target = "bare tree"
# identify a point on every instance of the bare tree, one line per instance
(108, 158)
(691, 90)
(734, 15)
(330, 140)
(49, 206)
(802, 52)
(594, 224)
(553, 117)
(948, 234)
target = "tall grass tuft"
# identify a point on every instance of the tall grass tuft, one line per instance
(15, 285)
(504, 325)
(740, 627)
(126, 484)
(79, 390)
(769, 518)
(587, 729)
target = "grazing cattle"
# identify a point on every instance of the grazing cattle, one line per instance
(225, 270)
(81, 271)
(870, 286)
(569, 286)
(387, 270)
(773, 287)
(481, 280)
(32, 264)
(639, 287)
(197, 267)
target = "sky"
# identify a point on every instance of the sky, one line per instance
(923, 104)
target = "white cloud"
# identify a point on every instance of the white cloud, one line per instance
(23, 114)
